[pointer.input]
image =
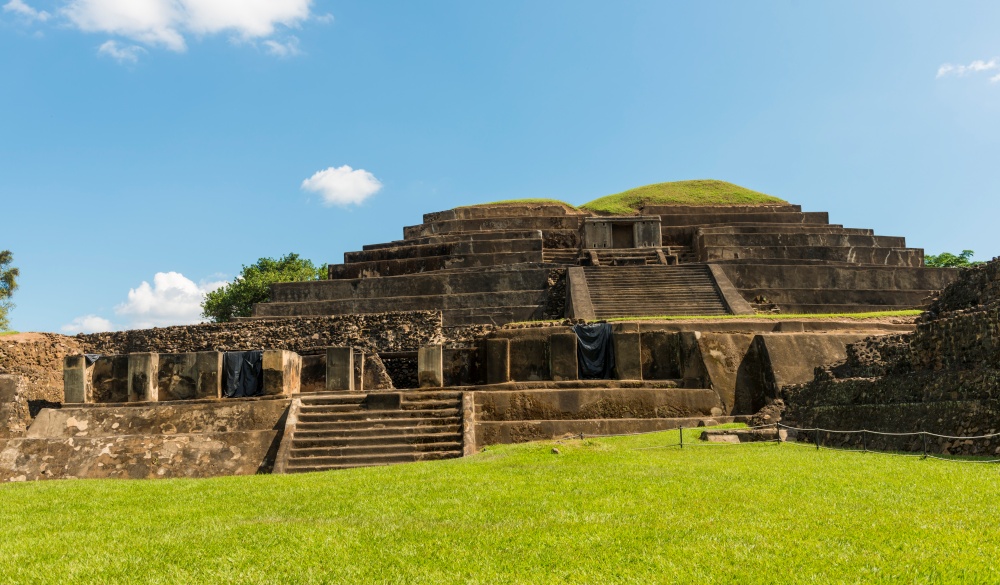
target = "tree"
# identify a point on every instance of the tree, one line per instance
(8, 284)
(253, 285)
(949, 260)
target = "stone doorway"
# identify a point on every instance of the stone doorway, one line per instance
(623, 235)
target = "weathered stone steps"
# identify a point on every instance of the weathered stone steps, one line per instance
(417, 265)
(464, 248)
(308, 464)
(653, 290)
(457, 281)
(338, 431)
(353, 426)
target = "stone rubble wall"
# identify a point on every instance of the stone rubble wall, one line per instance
(303, 335)
(943, 379)
(38, 358)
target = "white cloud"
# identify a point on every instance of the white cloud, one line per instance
(19, 7)
(153, 22)
(287, 49)
(173, 299)
(88, 324)
(977, 66)
(121, 53)
(343, 185)
(170, 23)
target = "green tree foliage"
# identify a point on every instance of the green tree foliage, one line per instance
(8, 284)
(949, 260)
(253, 285)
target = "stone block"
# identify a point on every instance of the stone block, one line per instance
(529, 360)
(109, 380)
(176, 376)
(14, 415)
(209, 374)
(142, 377)
(628, 356)
(282, 372)
(647, 234)
(76, 390)
(497, 361)
(562, 357)
(340, 369)
(359, 371)
(430, 366)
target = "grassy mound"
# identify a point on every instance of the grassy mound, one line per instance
(703, 192)
(613, 510)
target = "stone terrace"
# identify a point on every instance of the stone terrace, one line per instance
(494, 264)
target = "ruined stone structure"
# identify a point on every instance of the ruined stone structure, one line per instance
(411, 350)
(496, 264)
(944, 378)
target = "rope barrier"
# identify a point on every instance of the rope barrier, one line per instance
(817, 444)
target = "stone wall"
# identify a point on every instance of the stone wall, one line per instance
(187, 439)
(38, 358)
(303, 335)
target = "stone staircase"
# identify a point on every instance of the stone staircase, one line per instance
(344, 430)
(561, 256)
(636, 291)
(627, 256)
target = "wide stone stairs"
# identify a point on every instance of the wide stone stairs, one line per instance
(637, 291)
(344, 430)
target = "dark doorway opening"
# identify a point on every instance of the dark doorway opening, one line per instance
(622, 235)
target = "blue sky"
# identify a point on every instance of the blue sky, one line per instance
(149, 148)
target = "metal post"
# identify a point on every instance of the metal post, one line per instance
(816, 435)
(681, 431)
(923, 437)
(864, 441)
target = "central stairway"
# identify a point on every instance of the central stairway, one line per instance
(343, 430)
(649, 291)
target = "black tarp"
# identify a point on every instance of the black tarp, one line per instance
(595, 351)
(90, 358)
(243, 373)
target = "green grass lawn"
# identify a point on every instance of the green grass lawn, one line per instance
(702, 192)
(601, 511)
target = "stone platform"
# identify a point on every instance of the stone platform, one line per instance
(495, 264)
(138, 441)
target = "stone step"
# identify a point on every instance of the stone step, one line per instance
(455, 237)
(496, 279)
(330, 463)
(322, 431)
(359, 450)
(354, 424)
(406, 406)
(461, 248)
(358, 397)
(377, 415)
(324, 441)
(491, 315)
(543, 223)
(387, 304)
